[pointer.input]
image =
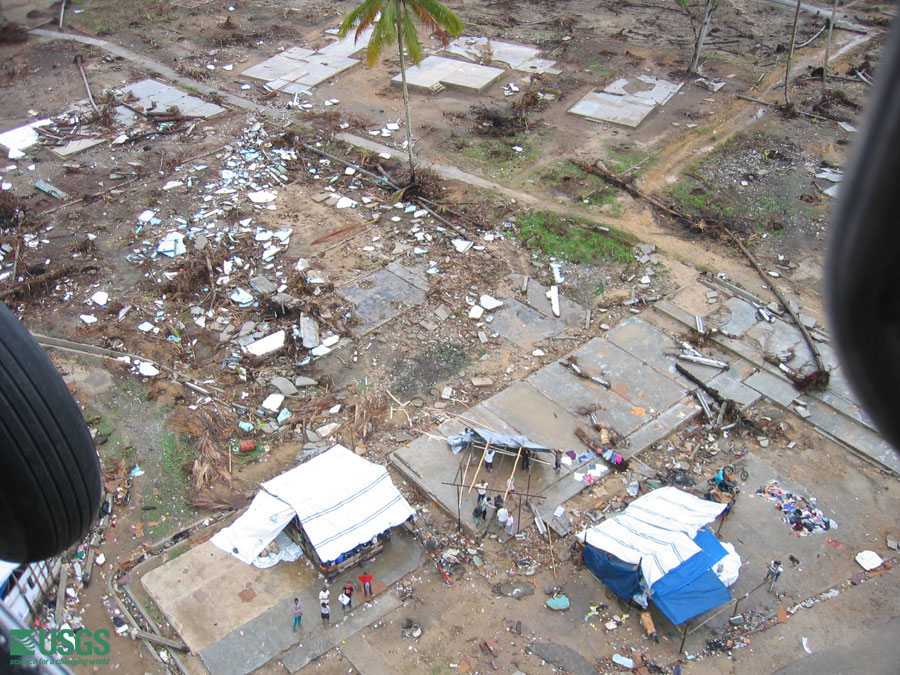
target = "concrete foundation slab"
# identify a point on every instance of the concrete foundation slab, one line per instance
(156, 96)
(262, 638)
(730, 384)
(645, 87)
(671, 419)
(649, 344)
(743, 317)
(536, 297)
(205, 582)
(517, 57)
(382, 295)
(542, 420)
(773, 387)
(523, 325)
(436, 71)
(599, 106)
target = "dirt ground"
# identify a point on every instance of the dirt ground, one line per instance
(717, 158)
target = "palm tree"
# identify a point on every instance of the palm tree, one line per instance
(397, 23)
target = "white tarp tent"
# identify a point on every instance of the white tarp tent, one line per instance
(341, 499)
(657, 531)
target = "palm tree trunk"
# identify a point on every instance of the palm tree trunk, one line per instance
(409, 147)
(701, 37)
(790, 58)
(828, 49)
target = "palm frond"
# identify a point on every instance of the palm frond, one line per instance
(411, 40)
(385, 32)
(360, 18)
(436, 16)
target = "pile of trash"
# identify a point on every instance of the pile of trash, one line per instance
(800, 512)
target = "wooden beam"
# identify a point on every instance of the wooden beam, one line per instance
(512, 475)
(478, 468)
(61, 595)
(158, 639)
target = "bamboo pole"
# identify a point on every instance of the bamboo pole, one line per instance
(552, 557)
(512, 475)
(481, 461)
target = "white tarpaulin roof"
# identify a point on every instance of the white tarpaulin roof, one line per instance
(341, 499)
(655, 530)
(247, 536)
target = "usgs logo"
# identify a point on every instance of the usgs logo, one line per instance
(62, 642)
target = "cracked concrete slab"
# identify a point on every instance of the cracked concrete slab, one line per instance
(383, 294)
(742, 317)
(524, 325)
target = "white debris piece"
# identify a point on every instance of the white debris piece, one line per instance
(309, 331)
(146, 216)
(172, 245)
(553, 295)
(869, 560)
(172, 184)
(88, 318)
(100, 298)
(476, 312)
(241, 297)
(266, 345)
(345, 203)
(262, 196)
(489, 302)
(273, 402)
(321, 350)
(556, 268)
(145, 327)
(331, 340)
(461, 245)
(326, 430)
(147, 369)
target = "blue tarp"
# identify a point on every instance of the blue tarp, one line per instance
(621, 578)
(684, 592)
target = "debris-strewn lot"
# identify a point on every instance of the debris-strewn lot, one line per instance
(206, 218)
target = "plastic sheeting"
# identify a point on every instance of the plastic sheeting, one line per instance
(657, 530)
(728, 568)
(511, 441)
(663, 532)
(255, 529)
(341, 499)
(288, 551)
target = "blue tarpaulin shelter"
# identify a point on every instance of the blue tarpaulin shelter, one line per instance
(660, 543)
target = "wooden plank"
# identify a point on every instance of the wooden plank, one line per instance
(478, 468)
(61, 595)
(512, 475)
(159, 639)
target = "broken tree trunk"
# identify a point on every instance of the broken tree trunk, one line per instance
(693, 68)
(828, 48)
(818, 379)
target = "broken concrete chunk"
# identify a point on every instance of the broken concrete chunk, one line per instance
(326, 430)
(261, 196)
(476, 312)
(489, 302)
(302, 381)
(283, 385)
(273, 402)
(553, 296)
(267, 345)
(309, 331)
(428, 325)
(447, 393)
(263, 285)
(442, 312)
(482, 382)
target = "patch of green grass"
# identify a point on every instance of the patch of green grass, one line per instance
(132, 386)
(499, 153)
(103, 17)
(177, 552)
(572, 238)
(623, 158)
(171, 484)
(599, 65)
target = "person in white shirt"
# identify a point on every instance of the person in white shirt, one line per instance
(489, 460)
(502, 517)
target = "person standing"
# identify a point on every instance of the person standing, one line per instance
(677, 670)
(482, 491)
(510, 525)
(348, 591)
(557, 460)
(325, 595)
(489, 459)
(366, 580)
(345, 602)
(774, 573)
(502, 517)
(298, 613)
(326, 613)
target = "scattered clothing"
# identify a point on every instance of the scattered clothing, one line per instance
(801, 513)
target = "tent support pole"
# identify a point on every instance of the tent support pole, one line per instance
(478, 468)
(684, 635)
(521, 497)
(512, 475)
(452, 484)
